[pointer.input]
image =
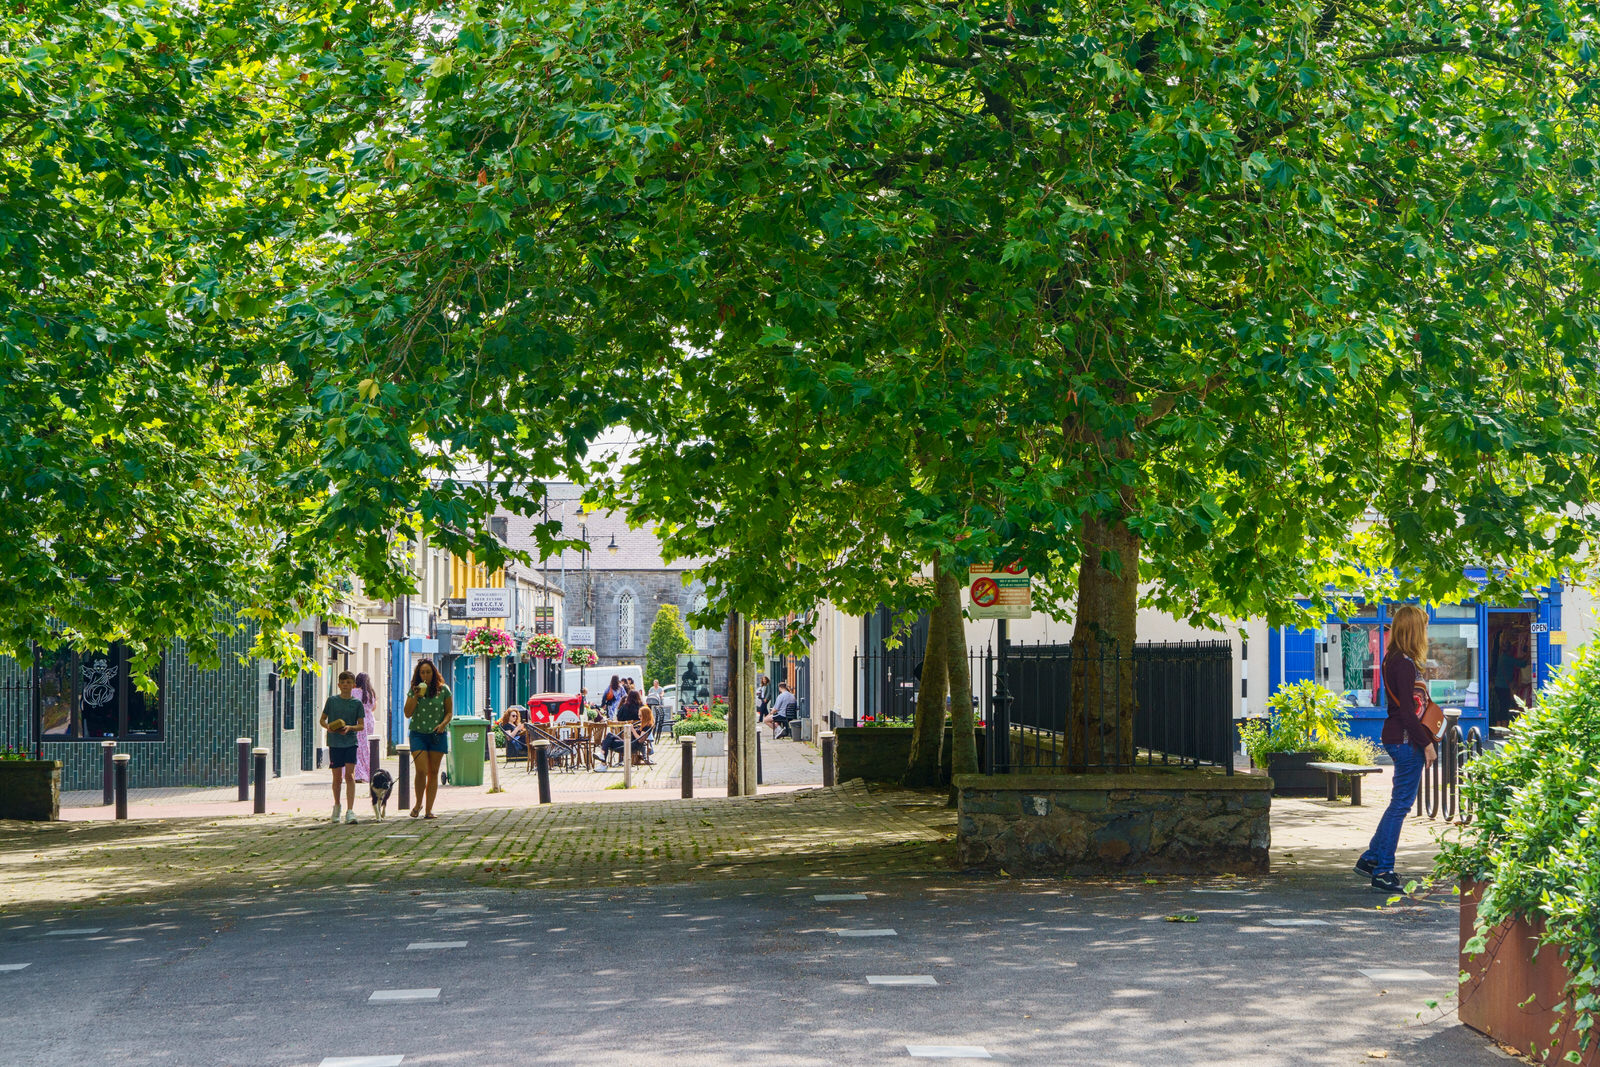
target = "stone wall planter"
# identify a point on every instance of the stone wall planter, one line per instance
(1292, 777)
(30, 789)
(880, 753)
(1175, 821)
(1511, 993)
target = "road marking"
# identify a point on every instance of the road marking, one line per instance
(13, 966)
(1390, 974)
(415, 945)
(404, 994)
(828, 897)
(74, 933)
(866, 933)
(950, 1052)
(1296, 922)
(1234, 891)
(901, 979)
(362, 1061)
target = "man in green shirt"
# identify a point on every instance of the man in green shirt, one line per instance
(341, 717)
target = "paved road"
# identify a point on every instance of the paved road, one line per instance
(749, 972)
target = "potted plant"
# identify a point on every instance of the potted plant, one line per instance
(709, 727)
(1306, 723)
(487, 641)
(29, 788)
(1529, 867)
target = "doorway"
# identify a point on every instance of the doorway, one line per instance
(1510, 664)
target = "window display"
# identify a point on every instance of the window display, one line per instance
(1351, 654)
(1452, 667)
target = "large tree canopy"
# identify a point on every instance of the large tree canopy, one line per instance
(1248, 299)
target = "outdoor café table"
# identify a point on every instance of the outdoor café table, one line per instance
(597, 733)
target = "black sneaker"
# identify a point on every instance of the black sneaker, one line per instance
(1389, 882)
(1365, 868)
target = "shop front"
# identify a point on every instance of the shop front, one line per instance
(1482, 659)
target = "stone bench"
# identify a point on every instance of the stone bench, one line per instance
(1353, 771)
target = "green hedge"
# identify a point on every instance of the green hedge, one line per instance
(1534, 839)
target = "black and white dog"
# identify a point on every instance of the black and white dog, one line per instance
(382, 783)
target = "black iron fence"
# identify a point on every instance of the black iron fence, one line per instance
(1439, 795)
(1048, 707)
(16, 706)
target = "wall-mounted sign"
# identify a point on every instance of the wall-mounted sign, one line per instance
(580, 635)
(456, 608)
(488, 603)
(1540, 627)
(1558, 637)
(1006, 593)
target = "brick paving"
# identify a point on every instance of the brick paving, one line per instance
(800, 833)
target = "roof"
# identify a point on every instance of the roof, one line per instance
(638, 548)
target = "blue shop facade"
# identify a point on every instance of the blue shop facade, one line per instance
(1482, 659)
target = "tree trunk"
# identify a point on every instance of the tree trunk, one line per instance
(963, 739)
(736, 704)
(747, 642)
(1100, 727)
(927, 726)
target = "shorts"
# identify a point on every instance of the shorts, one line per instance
(342, 756)
(429, 741)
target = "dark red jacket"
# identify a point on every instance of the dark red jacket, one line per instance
(1408, 695)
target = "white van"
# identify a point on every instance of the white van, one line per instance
(595, 679)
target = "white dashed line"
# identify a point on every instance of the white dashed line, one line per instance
(362, 1061)
(415, 945)
(901, 979)
(14, 966)
(1390, 974)
(74, 933)
(866, 933)
(826, 898)
(950, 1052)
(1296, 922)
(404, 994)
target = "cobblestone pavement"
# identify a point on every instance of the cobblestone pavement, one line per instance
(785, 765)
(799, 833)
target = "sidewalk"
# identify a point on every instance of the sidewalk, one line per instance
(786, 765)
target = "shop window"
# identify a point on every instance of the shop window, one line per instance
(1466, 612)
(1351, 656)
(90, 696)
(1452, 668)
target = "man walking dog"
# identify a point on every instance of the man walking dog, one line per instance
(341, 717)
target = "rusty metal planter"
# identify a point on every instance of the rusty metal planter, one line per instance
(1512, 992)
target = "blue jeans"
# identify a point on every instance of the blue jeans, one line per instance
(1408, 764)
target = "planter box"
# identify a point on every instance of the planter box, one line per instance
(711, 743)
(30, 789)
(880, 753)
(1292, 777)
(1174, 821)
(1511, 994)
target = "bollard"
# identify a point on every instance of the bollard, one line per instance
(120, 760)
(758, 753)
(374, 756)
(541, 757)
(827, 759)
(687, 745)
(261, 780)
(833, 720)
(244, 768)
(403, 753)
(106, 749)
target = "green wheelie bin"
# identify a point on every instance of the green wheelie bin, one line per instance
(466, 750)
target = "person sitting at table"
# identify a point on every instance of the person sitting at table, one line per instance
(632, 711)
(516, 733)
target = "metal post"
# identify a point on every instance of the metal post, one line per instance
(374, 759)
(687, 747)
(758, 754)
(827, 759)
(261, 780)
(541, 758)
(244, 768)
(403, 754)
(106, 749)
(120, 775)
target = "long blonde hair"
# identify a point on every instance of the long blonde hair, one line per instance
(1408, 632)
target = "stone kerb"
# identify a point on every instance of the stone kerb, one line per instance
(1172, 821)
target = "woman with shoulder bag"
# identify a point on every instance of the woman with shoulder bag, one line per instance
(1408, 742)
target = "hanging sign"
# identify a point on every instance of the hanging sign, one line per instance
(1006, 593)
(488, 603)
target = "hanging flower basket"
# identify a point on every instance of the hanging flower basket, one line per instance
(582, 657)
(486, 641)
(544, 646)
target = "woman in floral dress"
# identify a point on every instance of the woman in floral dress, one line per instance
(369, 727)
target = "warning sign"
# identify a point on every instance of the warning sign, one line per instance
(1000, 594)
